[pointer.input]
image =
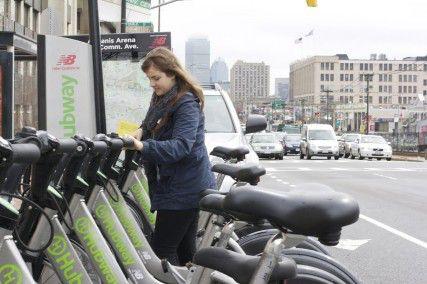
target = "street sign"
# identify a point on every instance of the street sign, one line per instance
(277, 104)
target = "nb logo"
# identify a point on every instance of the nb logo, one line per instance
(67, 59)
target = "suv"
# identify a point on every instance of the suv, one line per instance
(222, 125)
(318, 140)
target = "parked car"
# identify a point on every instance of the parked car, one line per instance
(292, 144)
(318, 140)
(345, 143)
(267, 145)
(371, 146)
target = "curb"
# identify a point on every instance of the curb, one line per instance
(407, 159)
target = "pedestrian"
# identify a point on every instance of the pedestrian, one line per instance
(174, 154)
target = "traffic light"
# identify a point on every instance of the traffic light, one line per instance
(311, 3)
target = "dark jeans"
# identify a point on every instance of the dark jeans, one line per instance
(174, 236)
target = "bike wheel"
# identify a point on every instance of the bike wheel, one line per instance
(322, 262)
(254, 243)
(310, 275)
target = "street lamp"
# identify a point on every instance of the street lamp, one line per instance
(162, 3)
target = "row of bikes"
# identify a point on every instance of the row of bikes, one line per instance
(77, 210)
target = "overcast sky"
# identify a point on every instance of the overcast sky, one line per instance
(256, 31)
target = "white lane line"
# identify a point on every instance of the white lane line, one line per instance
(374, 169)
(392, 178)
(339, 169)
(394, 231)
(304, 169)
(270, 170)
(292, 185)
(285, 182)
(279, 180)
(273, 177)
(405, 170)
(348, 244)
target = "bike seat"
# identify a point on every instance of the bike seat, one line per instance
(214, 203)
(211, 191)
(240, 267)
(246, 173)
(310, 209)
(230, 153)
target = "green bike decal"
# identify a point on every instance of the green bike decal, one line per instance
(140, 193)
(106, 219)
(83, 226)
(61, 255)
(10, 274)
(121, 213)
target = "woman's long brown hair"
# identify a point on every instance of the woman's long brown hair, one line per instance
(164, 60)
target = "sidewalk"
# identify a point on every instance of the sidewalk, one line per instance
(408, 158)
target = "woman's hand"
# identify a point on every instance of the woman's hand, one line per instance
(137, 145)
(137, 134)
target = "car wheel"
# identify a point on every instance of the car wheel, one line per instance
(285, 153)
(378, 159)
(352, 156)
(301, 155)
(329, 157)
(370, 158)
(336, 157)
(281, 157)
(388, 159)
(360, 156)
(346, 155)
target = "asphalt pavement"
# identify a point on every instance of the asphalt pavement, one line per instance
(389, 241)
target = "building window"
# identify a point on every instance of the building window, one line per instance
(385, 67)
(380, 99)
(390, 89)
(405, 67)
(322, 88)
(322, 77)
(400, 89)
(381, 67)
(332, 66)
(360, 77)
(405, 89)
(361, 66)
(400, 66)
(322, 66)
(341, 99)
(342, 77)
(380, 89)
(380, 77)
(405, 100)
(425, 82)
(326, 77)
(425, 67)
(332, 77)
(390, 67)
(342, 66)
(351, 66)
(405, 78)
(351, 77)
(366, 66)
(400, 78)
(346, 66)
(415, 89)
(360, 99)
(415, 78)
(410, 89)
(371, 66)
(409, 78)
(390, 77)
(346, 77)
(400, 100)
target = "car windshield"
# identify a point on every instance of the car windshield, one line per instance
(350, 138)
(320, 134)
(293, 138)
(291, 129)
(373, 139)
(217, 116)
(263, 139)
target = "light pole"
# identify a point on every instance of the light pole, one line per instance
(368, 78)
(161, 3)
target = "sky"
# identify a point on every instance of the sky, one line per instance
(256, 31)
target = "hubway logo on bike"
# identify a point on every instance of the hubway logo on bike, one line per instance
(144, 201)
(83, 227)
(10, 274)
(59, 253)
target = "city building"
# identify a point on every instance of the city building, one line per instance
(336, 86)
(282, 88)
(249, 81)
(219, 74)
(197, 59)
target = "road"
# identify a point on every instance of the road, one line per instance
(389, 242)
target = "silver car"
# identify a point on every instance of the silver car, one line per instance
(267, 145)
(371, 146)
(345, 143)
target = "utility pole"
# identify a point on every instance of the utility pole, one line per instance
(303, 110)
(368, 78)
(123, 18)
(161, 3)
(327, 103)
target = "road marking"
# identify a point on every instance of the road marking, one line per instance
(405, 170)
(292, 185)
(304, 169)
(279, 180)
(273, 176)
(270, 169)
(285, 182)
(394, 231)
(351, 244)
(392, 178)
(374, 169)
(339, 169)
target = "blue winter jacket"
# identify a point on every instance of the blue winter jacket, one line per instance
(177, 163)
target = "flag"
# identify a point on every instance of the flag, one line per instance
(311, 3)
(298, 40)
(309, 34)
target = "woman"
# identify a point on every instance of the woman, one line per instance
(174, 153)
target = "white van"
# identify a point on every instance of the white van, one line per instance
(318, 140)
